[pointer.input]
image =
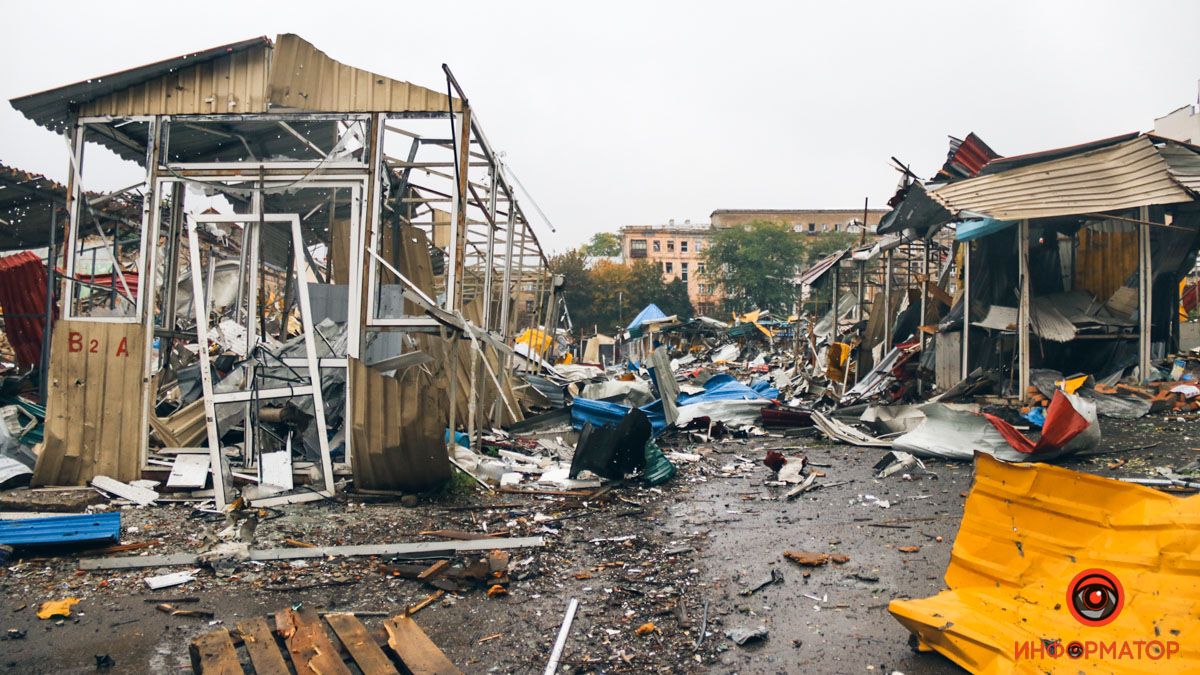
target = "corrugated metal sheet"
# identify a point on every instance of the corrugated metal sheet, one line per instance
(52, 108)
(1105, 258)
(1184, 165)
(233, 82)
(1028, 532)
(966, 158)
(61, 529)
(1126, 175)
(242, 77)
(23, 301)
(819, 268)
(304, 77)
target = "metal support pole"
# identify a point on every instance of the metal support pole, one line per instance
(966, 331)
(488, 272)
(1145, 281)
(1023, 310)
(506, 283)
(833, 335)
(888, 326)
(44, 362)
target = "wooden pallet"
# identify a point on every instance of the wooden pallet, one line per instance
(339, 644)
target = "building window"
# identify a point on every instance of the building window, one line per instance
(657, 246)
(669, 267)
(529, 307)
(812, 227)
(699, 245)
(637, 248)
(683, 272)
(700, 268)
(670, 246)
(824, 227)
(683, 246)
(705, 289)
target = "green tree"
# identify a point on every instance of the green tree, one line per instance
(675, 300)
(818, 246)
(578, 290)
(755, 265)
(603, 244)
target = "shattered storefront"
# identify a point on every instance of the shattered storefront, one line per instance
(1071, 260)
(323, 271)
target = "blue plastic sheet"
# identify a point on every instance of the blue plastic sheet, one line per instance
(600, 413)
(650, 313)
(764, 389)
(721, 387)
(724, 387)
(1036, 415)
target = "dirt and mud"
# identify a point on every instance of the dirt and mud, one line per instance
(668, 560)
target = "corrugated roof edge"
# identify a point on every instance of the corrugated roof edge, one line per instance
(51, 107)
(1018, 161)
(851, 211)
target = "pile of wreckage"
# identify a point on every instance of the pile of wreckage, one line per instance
(1069, 267)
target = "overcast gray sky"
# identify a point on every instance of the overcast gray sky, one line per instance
(635, 112)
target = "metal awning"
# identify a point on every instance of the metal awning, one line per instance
(1141, 171)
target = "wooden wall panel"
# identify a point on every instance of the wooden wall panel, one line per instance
(94, 413)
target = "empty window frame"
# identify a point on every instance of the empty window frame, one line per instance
(106, 250)
(326, 141)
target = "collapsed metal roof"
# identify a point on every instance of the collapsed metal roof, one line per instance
(250, 76)
(1106, 175)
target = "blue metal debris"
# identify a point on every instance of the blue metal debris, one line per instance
(71, 529)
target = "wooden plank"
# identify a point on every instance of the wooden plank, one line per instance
(369, 657)
(214, 654)
(313, 653)
(419, 654)
(260, 644)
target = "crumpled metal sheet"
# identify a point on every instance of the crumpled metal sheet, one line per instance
(1027, 534)
(954, 434)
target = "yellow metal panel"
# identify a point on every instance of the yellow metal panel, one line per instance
(1104, 260)
(1027, 534)
(234, 83)
(303, 77)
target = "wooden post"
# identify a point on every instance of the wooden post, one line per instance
(1145, 280)
(1023, 310)
(966, 330)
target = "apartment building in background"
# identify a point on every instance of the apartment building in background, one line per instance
(678, 249)
(808, 221)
